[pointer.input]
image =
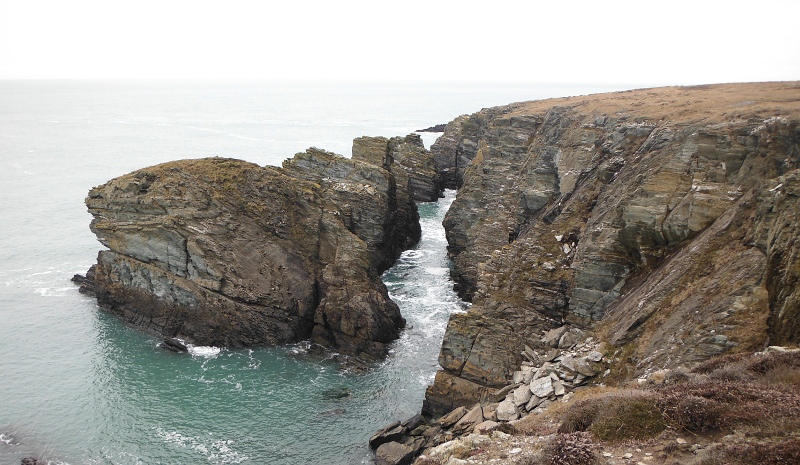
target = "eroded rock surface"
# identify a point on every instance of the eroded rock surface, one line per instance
(665, 219)
(227, 253)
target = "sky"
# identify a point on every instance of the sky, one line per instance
(651, 42)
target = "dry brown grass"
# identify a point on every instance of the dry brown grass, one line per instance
(717, 103)
(621, 416)
(782, 452)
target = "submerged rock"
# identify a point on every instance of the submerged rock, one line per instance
(175, 345)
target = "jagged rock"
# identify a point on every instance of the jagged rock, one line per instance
(522, 395)
(227, 253)
(558, 388)
(551, 355)
(570, 338)
(394, 453)
(467, 422)
(533, 403)
(578, 365)
(392, 432)
(594, 356)
(451, 418)
(406, 155)
(553, 337)
(86, 282)
(686, 210)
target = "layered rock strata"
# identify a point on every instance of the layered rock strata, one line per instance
(666, 219)
(227, 253)
(407, 158)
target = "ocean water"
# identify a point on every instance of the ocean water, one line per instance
(77, 386)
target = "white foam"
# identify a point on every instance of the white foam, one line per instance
(215, 451)
(8, 439)
(438, 271)
(204, 351)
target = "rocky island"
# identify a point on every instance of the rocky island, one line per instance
(228, 253)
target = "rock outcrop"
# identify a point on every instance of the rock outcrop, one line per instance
(407, 158)
(664, 219)
(227, 253)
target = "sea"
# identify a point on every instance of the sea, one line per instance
(78, 386)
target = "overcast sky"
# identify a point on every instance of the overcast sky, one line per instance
(672, 42)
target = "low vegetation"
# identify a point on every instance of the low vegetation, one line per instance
(735, 410)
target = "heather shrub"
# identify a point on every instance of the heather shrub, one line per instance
(579, 417)
(628, 417)
(570, 449)
(762, 364)
(694, 413)
(616, 417)
(783, 452)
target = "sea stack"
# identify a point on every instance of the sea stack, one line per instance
(224, 252)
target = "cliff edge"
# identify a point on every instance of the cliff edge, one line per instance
(663, 220)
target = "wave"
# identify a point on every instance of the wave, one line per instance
(203, 351)
(215, 451)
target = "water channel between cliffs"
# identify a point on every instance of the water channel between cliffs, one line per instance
(134, 403)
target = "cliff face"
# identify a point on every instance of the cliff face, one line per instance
(224, 252)
(663, 219)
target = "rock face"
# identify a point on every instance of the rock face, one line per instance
(406, 158)
(227, 253)
(665, 219)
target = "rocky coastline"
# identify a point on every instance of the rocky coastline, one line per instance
(662, 221)
(610, 241)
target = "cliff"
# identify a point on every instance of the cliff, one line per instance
(227, 253)
(663, 220)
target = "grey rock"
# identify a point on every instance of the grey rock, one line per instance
(522, 395)
(468, 421)
(507, 411)
(542, 387)
(533, 403)
(392, 432)
(394, 453)
(451, 418)
(552, 337)
(486, 427)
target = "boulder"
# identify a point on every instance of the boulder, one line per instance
(507, 411)
(553, 337)
(392, 432)
(451, 418)
(468, 421)
(485, 427)
(394, 453)
(542, 387)
(522, 395)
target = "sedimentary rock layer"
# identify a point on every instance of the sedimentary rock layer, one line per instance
(228, 253)
(665, 219)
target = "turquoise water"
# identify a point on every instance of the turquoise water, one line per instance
(79, 387)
